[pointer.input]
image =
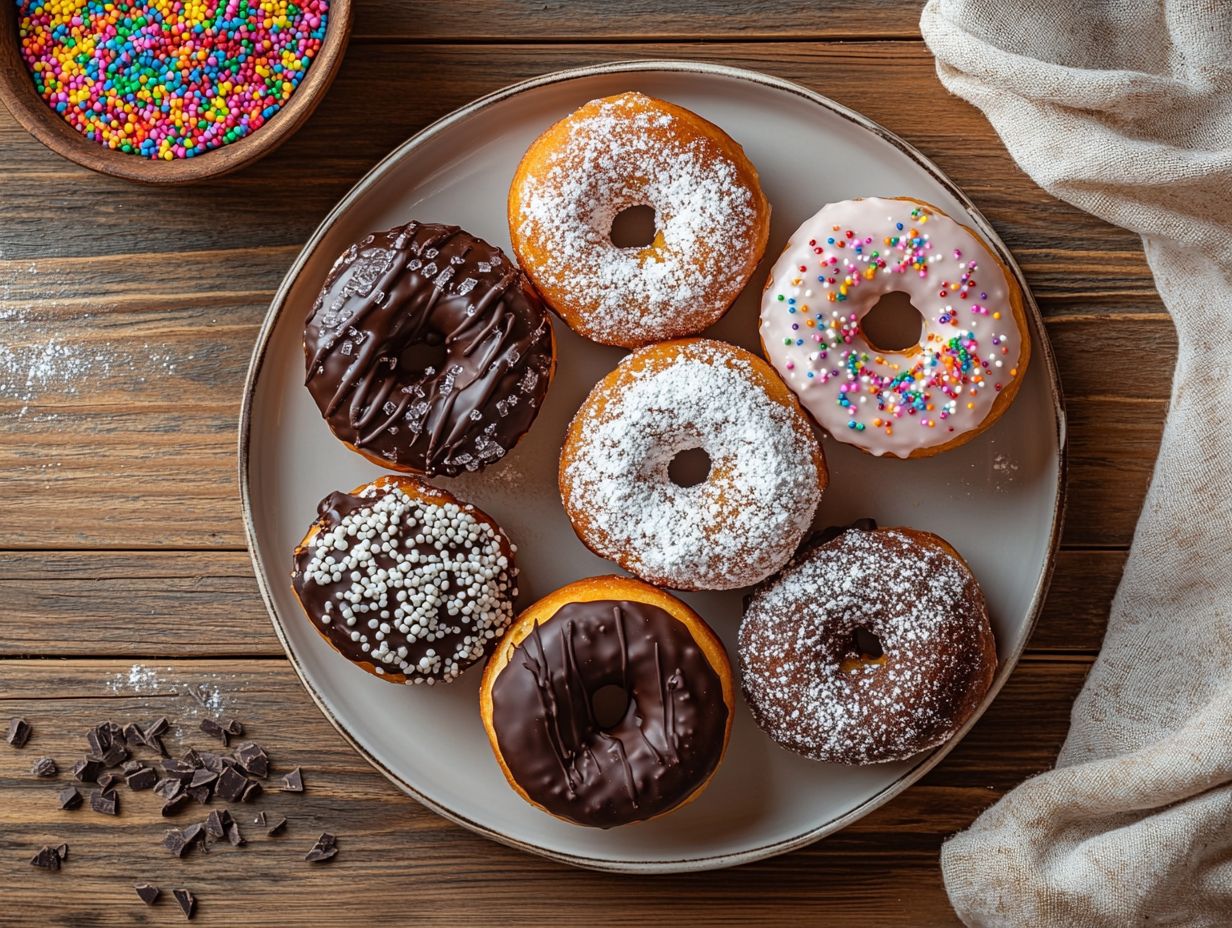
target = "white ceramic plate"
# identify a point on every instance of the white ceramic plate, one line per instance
(997, 499)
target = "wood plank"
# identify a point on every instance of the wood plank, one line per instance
(131, 604)
(591, 20)
(278, 202)
(882, 870)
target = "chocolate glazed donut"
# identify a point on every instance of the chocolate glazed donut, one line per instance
(424, 288)
(662, 750)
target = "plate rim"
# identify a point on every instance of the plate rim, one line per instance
(1044, 355)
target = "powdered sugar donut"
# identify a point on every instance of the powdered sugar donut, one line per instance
(711, 220)
(817, 688)
(937, 394)
(737, 526)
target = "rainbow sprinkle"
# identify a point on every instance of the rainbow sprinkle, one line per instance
(168, 79)
(943, 372)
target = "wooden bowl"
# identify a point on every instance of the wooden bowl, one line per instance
(49, 127)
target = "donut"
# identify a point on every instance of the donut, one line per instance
(406, 581)
(427, 350)
(869, 647)
(539, 707)
(744, 520)
(711, 220)
(931, 396)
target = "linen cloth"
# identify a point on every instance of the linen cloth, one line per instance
(1124, 109)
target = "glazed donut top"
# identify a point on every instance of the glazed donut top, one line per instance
(738, 525)
(973, 349)
(631, 150)
(800, 669)
(669, 740)
(415, 587)
(424, 284)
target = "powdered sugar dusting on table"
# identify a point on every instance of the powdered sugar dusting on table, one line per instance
(703, 209)
(922, 604)
(733, 529)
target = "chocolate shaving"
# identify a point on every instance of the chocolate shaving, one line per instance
(187, 901)
(292, 782)
(45, 767)
(325, 848)
(69, 797)
(19, 733)
(48, 858)
(147, 892)
(105, 801)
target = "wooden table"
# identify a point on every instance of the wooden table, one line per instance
(127, 318)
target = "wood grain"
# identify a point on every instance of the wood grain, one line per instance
(428, 870)
(164, 604)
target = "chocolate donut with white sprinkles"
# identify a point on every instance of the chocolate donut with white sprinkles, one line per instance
(406, 581)
(428, 351)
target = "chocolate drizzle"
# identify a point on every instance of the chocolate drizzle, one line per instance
(666, 744)
(432, 288)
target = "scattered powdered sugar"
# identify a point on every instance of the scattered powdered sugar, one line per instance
(802, 676)
(733, 529)
(1004, 465)
(201, 695)
(628, 154)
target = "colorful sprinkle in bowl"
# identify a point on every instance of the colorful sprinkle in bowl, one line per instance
(20, 95)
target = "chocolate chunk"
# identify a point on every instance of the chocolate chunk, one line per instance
(252, 758)
(325, 848)
(147, 892)
(107, 780)
(115, 755)
(276, 826)
(46, 859)
(70, 797)
(168, 787)
(158, 727)
(99, 739)
(230, 785)
(130, 766)
(252, 789)
(216, 823)
(187, 901)
(62, 850)
(233, 728)
(114, 731)
(175, 804)
(45, 767)
(156, 743)
(200, 793)
(105, 801)
(133, 735)
(259, 819)
(19, 733)
(194, 832)
(292, 782)
(202, 777)
(87, 770)
(143, 778)
(234, 836)
(179, 769)
(175, 842)
(213, 762)
(214, 729)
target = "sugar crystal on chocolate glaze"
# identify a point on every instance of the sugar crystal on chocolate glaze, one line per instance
(425, 284)
(419, 589)
(929, 615)
(667, 743)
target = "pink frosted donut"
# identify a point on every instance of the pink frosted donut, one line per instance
(934, 395)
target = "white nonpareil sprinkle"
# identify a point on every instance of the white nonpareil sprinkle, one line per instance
(733, 529)
(625, 156)
(422, 588)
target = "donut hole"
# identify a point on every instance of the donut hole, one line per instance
(634, 227)
(425, 357)
(689, 468)
(864, 652)
(609, 704)
(893, 324)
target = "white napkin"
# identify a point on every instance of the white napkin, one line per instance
(1124, 109)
